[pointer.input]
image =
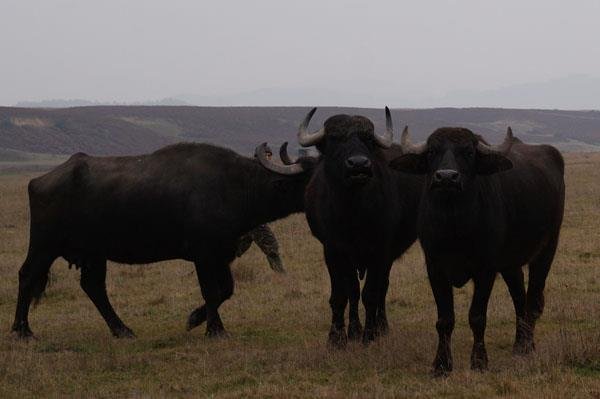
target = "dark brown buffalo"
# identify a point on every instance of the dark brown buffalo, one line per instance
(364, 214)
(486, 210)
(185, 201)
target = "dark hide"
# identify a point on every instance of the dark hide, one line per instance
(498, 213)
(185, 201)
(364, 222)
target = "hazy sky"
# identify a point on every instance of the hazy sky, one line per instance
(138, 50)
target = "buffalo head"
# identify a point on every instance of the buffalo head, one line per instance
(452, 157)
(348, 144)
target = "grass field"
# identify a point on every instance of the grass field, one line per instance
(278, 324)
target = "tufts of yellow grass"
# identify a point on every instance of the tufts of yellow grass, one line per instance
(278, 324)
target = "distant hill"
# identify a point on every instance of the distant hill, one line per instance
(119, 130)
(70, 103)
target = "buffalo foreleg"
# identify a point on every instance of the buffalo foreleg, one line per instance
(216, 284)
(371, 295)
(444, 300)
(93, 283)
(225, 281)
(382, 322)
(196, 317)
(483, 284)
(355, 329)
(338, 298)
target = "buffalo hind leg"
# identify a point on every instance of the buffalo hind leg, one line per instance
(93, 283)
(483, 285)
(355, 329)
(444, 300)
(539, 267)
(516, 287)
(198, 316)
(33, 277)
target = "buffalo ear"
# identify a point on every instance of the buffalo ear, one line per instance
(488, 164)
(410, 163)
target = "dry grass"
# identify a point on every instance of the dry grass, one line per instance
(278, 324)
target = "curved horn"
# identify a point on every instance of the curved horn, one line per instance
(283, 154)
(385, 140)
(500, 148)
(261, 155)
(306, 139)
(408, 147)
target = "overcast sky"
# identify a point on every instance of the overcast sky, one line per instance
(138, 50)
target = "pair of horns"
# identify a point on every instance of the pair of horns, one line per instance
(287, 168)
(409, 148)
(307, 139)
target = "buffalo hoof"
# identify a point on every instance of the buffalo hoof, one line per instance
(23, 333)
(216, 333)
(337, 338)
(523, 348)
(123, 332)
(440, 372)
(215, 329)
(196, 318)
(479, 359)
(355, 331)
(382, 328)
(442, 367)
(369, 336)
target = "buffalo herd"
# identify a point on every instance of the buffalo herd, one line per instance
(477, 210)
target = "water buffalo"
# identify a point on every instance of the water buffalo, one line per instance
(364, 215)
(185, 201)
(407, 233)
(486, 210)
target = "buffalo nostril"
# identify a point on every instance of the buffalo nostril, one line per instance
(446, 175)
(358, 161)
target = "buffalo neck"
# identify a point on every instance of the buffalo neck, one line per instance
(450, 216)
(270, 196)
(367, 202)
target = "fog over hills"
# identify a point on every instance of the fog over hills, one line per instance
(575, 92)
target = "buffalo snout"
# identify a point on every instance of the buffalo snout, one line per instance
(358, 169)
(358, 163)
(447, 178)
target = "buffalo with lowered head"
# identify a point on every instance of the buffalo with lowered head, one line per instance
(486, 210)
(185, 201)
(362, 212)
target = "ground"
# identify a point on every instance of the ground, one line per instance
(278, 324)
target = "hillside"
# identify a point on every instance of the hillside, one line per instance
(119, 130)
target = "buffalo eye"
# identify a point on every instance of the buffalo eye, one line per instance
(468, 153)
(431, 153)
(370, 142)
